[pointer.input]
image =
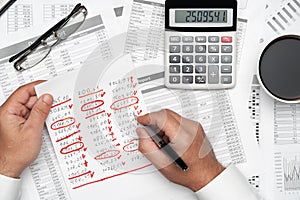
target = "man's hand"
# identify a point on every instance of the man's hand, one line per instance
(22, 118)
(188, 139)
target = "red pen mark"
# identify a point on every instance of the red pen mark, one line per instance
(136, 107)
(79, 138)
(92, 174)
(59, 140)
(123, 163)
(90, 93)
(112, 134)
(131, 79)
(92, 105)
(131, 146)
(115, 106)
(53, 106)
(109, 128)
(86, 173)
(109, 177)
(63, 123)
(134, 85)
(85, 163)
(85, 149)
(139, 112)
(107, 154)
(108, 114)
(117, 144)
(78, 125)
(114, 139)
(83, 156)
(98, 113)
(109, 121)
(102, 94)
(119, 157)
(68, 149)
(134, 92)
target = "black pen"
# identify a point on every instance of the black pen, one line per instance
(6, 6)
(166, 148)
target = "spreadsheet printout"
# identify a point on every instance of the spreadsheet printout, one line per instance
(92, 128)
(66, 57)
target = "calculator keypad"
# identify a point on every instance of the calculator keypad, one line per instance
(201, 60)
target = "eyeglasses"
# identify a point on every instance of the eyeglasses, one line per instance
(41, 48)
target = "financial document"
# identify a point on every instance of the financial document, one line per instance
(92, 127)
(66, 57)
(142, 46)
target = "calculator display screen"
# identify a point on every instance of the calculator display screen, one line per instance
(201, 17)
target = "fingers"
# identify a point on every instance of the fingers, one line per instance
(163, 120)
(22, 94)
(39, 113)
(151, 150)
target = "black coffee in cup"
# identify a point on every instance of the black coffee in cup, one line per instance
(279, 69)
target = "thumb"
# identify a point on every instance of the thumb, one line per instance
(39, 112)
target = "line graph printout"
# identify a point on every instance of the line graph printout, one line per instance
(97, 147)
(281, 149)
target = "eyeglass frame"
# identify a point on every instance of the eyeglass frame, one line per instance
(21, 56)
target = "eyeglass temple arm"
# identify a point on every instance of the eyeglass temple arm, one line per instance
(45, 35)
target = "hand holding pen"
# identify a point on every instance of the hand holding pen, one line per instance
(188, 140)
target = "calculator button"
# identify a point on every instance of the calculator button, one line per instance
(226, 69)
(187, 69)
(174, 48)
(174, 69)
(226, 49)
(187, 59)
(200, 79)
(213, 59)
(213, 39)
(201, 39)
(174, 79)
(187, 39)
(226, 39)
(200, 69)
(226, 59)
(175, 59)
(187, 48)
(175, 39)
(226, 79)
(213, 74)
(187, 79)
(213, 49)
(200, 49)
(200, 59)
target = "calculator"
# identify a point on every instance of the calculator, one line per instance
(200, 44)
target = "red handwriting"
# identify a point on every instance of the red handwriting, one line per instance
(59, 140)
(98, 113)
(63, 123)
(90, 94)
(68, 149)
(103, 179)
(97, 103)
(86, 173)
(53, 106)
(114, 105)
(107, 154)
(128, 147)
